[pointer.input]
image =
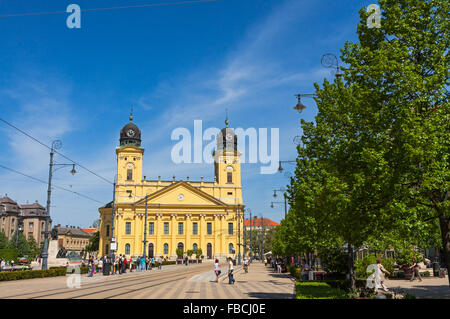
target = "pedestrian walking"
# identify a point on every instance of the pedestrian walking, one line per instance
(100, 265)
(144, 262)
(90, 268)
(415, 267)
(120, 264)
(278, 266)
(217, 270)
(160, 263)
(138, 263)
(305, 270)
(246, 265)
(186, 260)
(379, 276)
(153, 262)
(124, 264)
(230, 271)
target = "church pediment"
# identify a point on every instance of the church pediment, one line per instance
(181, 193)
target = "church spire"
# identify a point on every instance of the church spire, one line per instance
(131, 114)
(226, 118)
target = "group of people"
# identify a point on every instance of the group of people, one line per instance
(277, 263)
(120, 264)
(4, 263)
(230, 265)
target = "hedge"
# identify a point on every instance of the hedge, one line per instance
(29, 274)
(318, 290)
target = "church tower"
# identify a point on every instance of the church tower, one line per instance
(129, 155)
(227, 165)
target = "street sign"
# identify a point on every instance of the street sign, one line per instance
(113, 246)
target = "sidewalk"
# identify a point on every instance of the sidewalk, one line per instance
(428, 288)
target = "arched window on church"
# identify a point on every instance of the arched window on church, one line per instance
(166, 249)
(127, 249)
(229, 177)
(230, 248)
(194, 247)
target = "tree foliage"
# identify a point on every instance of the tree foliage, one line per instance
(374, 167)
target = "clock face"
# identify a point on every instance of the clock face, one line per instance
(130, 133)
(229, 137)
(180, 197)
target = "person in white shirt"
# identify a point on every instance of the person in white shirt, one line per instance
(230, 271)
(2, 264)
(379, 275)
(217, 270)
(246, 265)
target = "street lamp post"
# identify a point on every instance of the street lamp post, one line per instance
(55, 146)
(239, 235)
(243, 233)
(285, 199)
(145, 228)
(262, 239)
(113, 241)
(300, 106)
(19, 228)
(280, 168)
(251, 238)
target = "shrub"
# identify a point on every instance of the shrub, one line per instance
(179, 252)
(425, 274)
(318, 290)
(29, 274)
(362, 264)
(335, 260)
(405, 256)
(296, 272)
(9, 254)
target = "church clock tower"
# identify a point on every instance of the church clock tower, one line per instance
(227, 166)
(129, 155)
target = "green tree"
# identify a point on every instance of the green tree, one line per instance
(3, 240)
(375, 162)
(22, 246)
(405, 65)
(34, 249)
(93, 242)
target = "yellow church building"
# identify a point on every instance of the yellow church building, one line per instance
(187, 215)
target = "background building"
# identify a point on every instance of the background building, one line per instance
(30, 218)
(181, 214)
(259, 223)
(72, 238)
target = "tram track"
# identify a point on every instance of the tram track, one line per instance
(113, 284)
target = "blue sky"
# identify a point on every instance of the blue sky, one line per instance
(174, 65)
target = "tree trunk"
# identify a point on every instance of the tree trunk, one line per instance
(350, 268)
(445, 232)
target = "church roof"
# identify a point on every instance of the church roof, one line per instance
(258, 222)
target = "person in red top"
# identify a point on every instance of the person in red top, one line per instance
(124, 264)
